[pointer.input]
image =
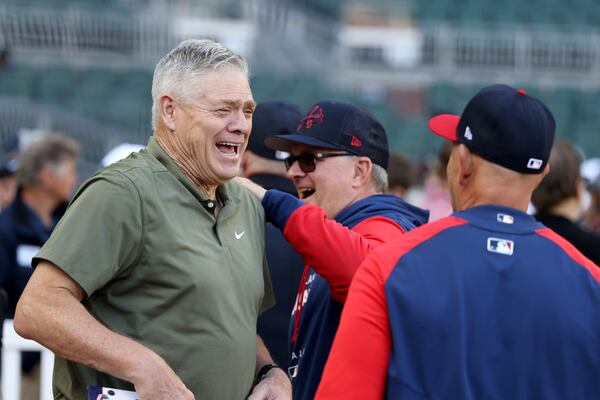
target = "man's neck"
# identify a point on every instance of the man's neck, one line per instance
(209, 190)
(497, 195)
(42, 204)
(360, 195)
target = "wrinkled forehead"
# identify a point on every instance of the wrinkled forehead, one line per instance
(224, 84)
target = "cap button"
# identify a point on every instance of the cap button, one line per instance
(522, 92)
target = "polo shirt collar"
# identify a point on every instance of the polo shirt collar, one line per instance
(161, 155)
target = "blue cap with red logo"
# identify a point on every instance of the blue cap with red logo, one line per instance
(340, 126)
(504, 126)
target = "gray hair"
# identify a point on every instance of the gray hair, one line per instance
(379, 176)
(51, 150)
(188, 60)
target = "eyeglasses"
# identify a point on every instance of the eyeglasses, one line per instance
(306, 161)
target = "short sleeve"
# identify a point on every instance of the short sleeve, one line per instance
(100, 235)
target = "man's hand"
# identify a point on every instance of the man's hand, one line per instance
(275, 386)
(256, 190)
(157, 381)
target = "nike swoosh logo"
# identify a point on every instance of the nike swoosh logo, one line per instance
(238, 236)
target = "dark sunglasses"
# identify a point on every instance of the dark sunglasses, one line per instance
(306, 161)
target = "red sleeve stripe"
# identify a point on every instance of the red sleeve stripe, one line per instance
(571, 251)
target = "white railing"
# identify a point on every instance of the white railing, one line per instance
(446, 52)
(12, 346)
(139, 36)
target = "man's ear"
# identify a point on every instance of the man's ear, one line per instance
(362, 170)
(466, 165)
(167, 111)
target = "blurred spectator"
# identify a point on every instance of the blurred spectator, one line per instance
(436, 194)
(266, 167)
(401, 174)
(8, 183)
(591, 173)
(558, 200)
(45, 179)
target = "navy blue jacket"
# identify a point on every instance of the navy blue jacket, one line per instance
(22, 233)
(485, 304)
(333, 250)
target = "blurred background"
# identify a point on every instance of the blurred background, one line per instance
(84, 67)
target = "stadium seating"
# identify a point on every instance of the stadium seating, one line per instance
(578, 13)
(121, 98)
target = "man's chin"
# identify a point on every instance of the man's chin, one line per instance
(226, 176)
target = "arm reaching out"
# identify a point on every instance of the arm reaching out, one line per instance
(256, 190)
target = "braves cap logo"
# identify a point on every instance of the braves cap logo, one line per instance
(314, 116)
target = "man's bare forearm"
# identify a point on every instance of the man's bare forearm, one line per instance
(50, 312)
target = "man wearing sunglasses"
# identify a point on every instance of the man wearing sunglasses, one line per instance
(338, 162)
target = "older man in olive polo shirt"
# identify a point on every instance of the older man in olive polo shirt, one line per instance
(154, 278)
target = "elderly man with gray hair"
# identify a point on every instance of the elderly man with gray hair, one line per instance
(154, 278)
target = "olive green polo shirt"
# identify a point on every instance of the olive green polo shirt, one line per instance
(158, 267)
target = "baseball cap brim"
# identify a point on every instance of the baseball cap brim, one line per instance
(286, 142)
(445, 126)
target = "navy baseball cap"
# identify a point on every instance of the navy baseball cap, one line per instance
(504, 126)
(272, 118)
(8, 167)
(339, 126)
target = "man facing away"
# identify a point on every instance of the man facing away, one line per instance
(486, 303)
(154, 278)
(338, 162)
(45, 177)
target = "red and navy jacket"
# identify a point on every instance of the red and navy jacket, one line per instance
(484, 304)
(332, 251)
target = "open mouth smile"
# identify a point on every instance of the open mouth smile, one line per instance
(305, 192)
(228, 148)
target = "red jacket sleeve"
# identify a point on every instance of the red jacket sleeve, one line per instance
(331, 249)
(357, 365)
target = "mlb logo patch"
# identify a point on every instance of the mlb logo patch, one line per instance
(534, 163)
(500, 246)
(505, 218)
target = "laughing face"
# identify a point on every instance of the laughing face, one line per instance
(211, 129)
(330, 185)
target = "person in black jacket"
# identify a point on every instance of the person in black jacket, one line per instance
(265, 167)
(558, 200)
(46, 176)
